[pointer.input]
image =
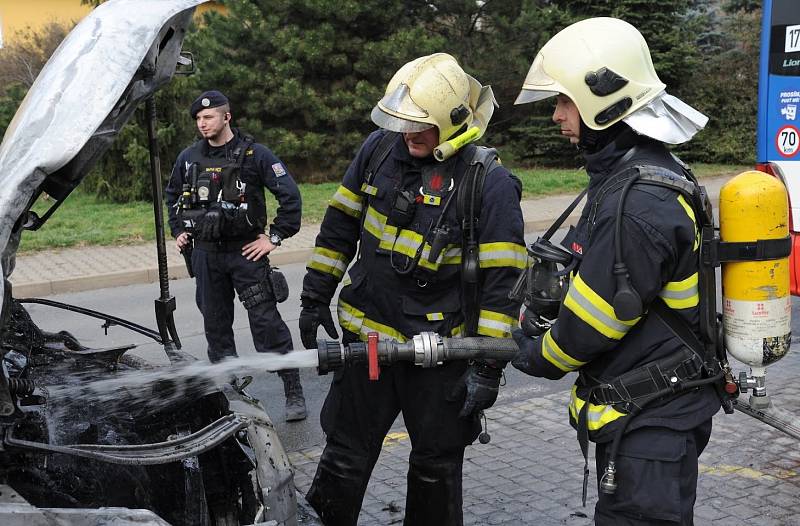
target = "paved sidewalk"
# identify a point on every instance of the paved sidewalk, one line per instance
(531, 472)
(87, 268)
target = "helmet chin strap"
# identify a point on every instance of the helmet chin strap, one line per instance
(592, 141)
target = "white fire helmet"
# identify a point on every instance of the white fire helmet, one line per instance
(434, 91)
(604, 66)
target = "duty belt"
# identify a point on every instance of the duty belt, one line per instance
(225, 245)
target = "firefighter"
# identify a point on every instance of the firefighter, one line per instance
(215, 199)
(634, 249)
(395, 217)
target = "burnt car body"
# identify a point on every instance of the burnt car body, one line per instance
(209, 457)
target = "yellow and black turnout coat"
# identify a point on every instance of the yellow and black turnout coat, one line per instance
(660, 240)
(386, 291)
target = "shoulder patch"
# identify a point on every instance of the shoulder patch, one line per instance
(278, 169)
(249, 151)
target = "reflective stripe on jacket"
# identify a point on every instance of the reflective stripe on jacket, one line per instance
(660, 249)
(377, 296)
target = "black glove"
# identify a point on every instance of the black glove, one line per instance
(479, 386)
(532, 324)
(312, 315)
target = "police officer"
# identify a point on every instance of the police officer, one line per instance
(396, 216)
(635, 253)
(215, 199)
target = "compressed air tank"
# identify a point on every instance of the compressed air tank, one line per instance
(755, 294)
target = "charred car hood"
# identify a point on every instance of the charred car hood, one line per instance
(111, 61)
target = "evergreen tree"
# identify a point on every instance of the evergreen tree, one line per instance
(303, 75)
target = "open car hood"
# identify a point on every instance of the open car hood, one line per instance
(116, 57)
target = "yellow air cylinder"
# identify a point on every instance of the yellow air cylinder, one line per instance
(755, 294)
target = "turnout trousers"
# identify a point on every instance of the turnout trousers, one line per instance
(356, 416)
(656, 475)
(218, 275)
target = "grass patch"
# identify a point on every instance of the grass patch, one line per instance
(84, 220)
(538, 182)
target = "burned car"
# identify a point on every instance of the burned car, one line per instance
(210, 455)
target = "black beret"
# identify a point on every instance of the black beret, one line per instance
(208, 99)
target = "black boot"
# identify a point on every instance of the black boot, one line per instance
(295, 401)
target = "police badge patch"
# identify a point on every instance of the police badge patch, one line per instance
(278, 169)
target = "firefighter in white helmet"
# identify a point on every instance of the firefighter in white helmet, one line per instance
(399, 209)
(635, 276)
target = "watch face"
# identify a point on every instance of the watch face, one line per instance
(274, 239)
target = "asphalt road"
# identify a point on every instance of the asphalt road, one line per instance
(136, 303)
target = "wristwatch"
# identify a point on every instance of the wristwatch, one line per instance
(275, 239)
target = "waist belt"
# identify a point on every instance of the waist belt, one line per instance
(664, 375)
(659, 381)
(225, 245)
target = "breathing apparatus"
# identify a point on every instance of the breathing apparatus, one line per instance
(543, 284)
(432, 91)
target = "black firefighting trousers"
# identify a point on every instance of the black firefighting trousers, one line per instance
(218, 275)
(356, 416)
(656, 476)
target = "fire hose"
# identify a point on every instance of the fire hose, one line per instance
(426, 349)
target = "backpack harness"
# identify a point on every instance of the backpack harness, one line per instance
(482, 160)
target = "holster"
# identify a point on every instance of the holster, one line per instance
(280, 287)
(273, 286)
(186, 252)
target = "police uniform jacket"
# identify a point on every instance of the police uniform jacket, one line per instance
(381, 294)
(660, 248)
(260, 169)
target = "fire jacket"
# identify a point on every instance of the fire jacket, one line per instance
(385, 291)
(660, 249)
(260, 168)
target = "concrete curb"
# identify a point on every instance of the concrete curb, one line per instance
(539, 214)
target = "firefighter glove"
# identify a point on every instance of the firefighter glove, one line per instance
(533, 324)
(312, 315)
(479, 386)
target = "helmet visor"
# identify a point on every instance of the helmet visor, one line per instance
(398, 112)
(400, 102)
(396, 124)
(538, 84)
(526, 96)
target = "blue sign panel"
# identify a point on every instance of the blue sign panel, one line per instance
(779, 83)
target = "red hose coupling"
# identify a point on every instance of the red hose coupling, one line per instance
(372, 356)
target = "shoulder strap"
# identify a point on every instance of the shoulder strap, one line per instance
(680, 328)
(482, 160)
(378, 156)
(241, 149)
